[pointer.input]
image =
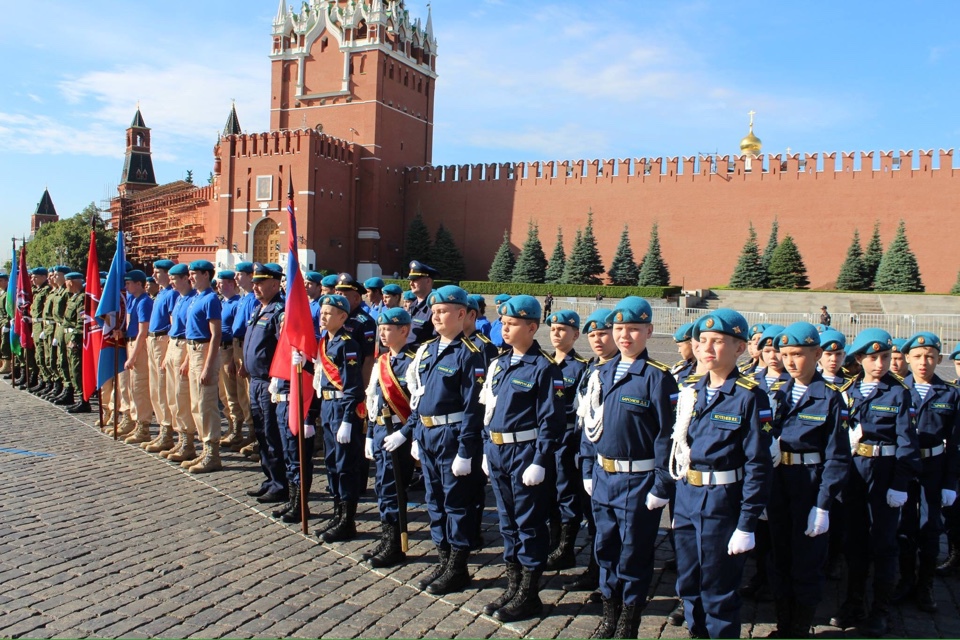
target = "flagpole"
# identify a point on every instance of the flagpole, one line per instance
(303, 483)
(116, 389)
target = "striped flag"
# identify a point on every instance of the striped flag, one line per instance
(12, 304)
(92, 333)
(111, 314)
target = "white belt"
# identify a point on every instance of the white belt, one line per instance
(514, 437)
(705, 478)
(932, 452)
(876, 450)
(331, 395)
(788, 458)
(278, 397)
(382, 421)
(437, 421)
(611, 465)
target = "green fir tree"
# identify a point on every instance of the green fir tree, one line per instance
(531, 264)
(898, 270)
(502, 268)
(653, 270)
(853, 273)
(584, 265)
(772, 243)
(956, 286)
(749, 272)
(445, 256)
(558, 260)
(787, 270)
(573, 269)
(418, 240)
(623, 270)
(872, 256)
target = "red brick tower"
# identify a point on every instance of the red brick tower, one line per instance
(45, 213)
(138, 164)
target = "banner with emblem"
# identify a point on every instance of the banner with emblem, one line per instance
(111, 314)
(393, 392)
(92, 333)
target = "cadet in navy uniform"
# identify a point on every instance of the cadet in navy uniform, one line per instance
(363, 327)
(770, 368)
(338, 381)
(753, 351)
(813, 467)
(683, 337)
(388, 408)
(898, 361)
(566, 513)
(951, 514)
(722, 460)
(886, 459)
(259, 346)
(938, 428)
(524, 419)
(421, 278)
(496, 337)
(446, 420)
(834, 346)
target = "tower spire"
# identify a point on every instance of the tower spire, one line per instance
(138, 163)
(281, 13)
(233, 123)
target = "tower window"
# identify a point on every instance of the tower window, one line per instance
(323, 44)
(391, 72)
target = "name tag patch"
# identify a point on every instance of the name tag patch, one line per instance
(569, 381)
(725, 417)
(446, 370)
(523, 384)
(883, 408)
(634, 401)
(812, 418)
(941, 405)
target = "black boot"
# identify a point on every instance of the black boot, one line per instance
(908, 573)
(526, 604)
(609, 618)
(628, 624)
(924, 592)
(949, 566)
(443, 558)
(391, 553)
(293, 502)
(53, 391)
(455, 577)
(380, 544)
(37, 386)
(21, 378)
(589, 579)
(81, 407)
(346, 529)
(65, 399)
(802, 620)
(555, 527)
(783, 607)
(876, 625)
(852, 611)
(514, 572)
(332, 522)
(564, 556)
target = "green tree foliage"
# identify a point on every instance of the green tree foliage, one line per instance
(653, 270)
(445, 256)
(531, 265)
(584, 265)
(853, 273)
(873, 255)
(502, 268)
(898, 270)
(67, 242)
(749, 272)
(787, 270)
(956, 286)
(189, 177)
(772, 243)
(418, 240)
(558, 260)
(623, 270)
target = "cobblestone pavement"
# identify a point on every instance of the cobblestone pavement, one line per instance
(100, 539)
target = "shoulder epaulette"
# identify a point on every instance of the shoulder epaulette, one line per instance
(902, 381)
(951, 384)
(776, 385)
(747, 383)
(345, 336)
(692, 379)
(898, 377)
(410, 353)
(580, 358)
(483, 338)
(469, 344)
(847, 383)
(429, 341)
(658, 365)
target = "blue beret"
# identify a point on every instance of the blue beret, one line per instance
(725, 321)
(450, 294)
(127, 266)
(394, 316)
(103, 274)
(798, 334)
(334, 300)
(871, 341)
(73, 275)
(62, 269)
(833, 340)
(683, 333)
(393, 289)
(135, 275)
(597, 321)
(226, 274)
(421, 270)
(472, 304)
(523, 306)
(150, 279)
(329, 281)
(201, 265)
(955, 354)
(769, 335)
(166, 265)
(759, 327)
(821, 327)
(373, 283)
(179, 270)
(632, 310)
(346, 282)
(564, 317)
(922, 339)
(244, 267)
(500, 299)
(476, 300)
(898, 345)
(409, 295)
(269, 271)
(38, 271)
(314, 276)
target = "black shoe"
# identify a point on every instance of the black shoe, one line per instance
(65, 399)
(526, 604)
(608, 620)
(676, 617)
(629, 622)
(80, 407)
(514, 574)
(455, 577)
(294, 508)
(346, 527)
(874, 626)
(391, 553)
(438, 569)
(564, 556)
(381, 542)
(333, 521)
(256, 493)
(293, 502)
(273, 497)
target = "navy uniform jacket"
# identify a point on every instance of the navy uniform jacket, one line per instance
(488, 350)
(938, 422)
(530, 395)
(638, 417)
(817, 424)
(451, 382)
(886, 417)
(421, 328)
(760, 375)
(399, 363)
(363, 329)
(260, 343)
(735, 430)
(344, 352)
(683, 370)
(572, 368)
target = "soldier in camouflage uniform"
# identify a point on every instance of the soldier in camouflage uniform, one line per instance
(73, 345)
(56, 311)
(40, 380)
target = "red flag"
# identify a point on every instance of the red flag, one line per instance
(92, 331)
(23, 322)
(297, 332)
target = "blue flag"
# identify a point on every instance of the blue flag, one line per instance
(12, 305)
(112, 315)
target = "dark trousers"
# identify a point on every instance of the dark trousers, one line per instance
(291, 451)
(871, 523)
(267, 431)
(387, 475)
(344, 461)
(523, 510)
(569, 478)
(451, 500)
(921, 518)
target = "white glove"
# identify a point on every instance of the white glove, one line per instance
(393, 441)
(818, 522)
(343, 433)
(485, 466)
(296, 358)
(656, 502)
(948, 497)
(741, 542)
(415, 450)
(274, 385)
(896, 499)
(309, 430)
(461, 466)
(368, 449)
(55, 342)
(42, 333)
(588, 487)
(775, 451)
(534, 475)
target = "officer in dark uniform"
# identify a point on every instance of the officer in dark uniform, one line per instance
(813, 467)
(259, 346)
(886, 458)
(683, 337)
(421, 278)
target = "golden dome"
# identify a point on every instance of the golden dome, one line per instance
(750, 143)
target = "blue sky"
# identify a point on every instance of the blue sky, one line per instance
(519, 81)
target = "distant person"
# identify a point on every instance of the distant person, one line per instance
(825, 316)
(547, 306)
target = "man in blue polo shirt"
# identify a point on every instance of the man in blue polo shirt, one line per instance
(139, 310)
(229, 395)
(157, 343)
